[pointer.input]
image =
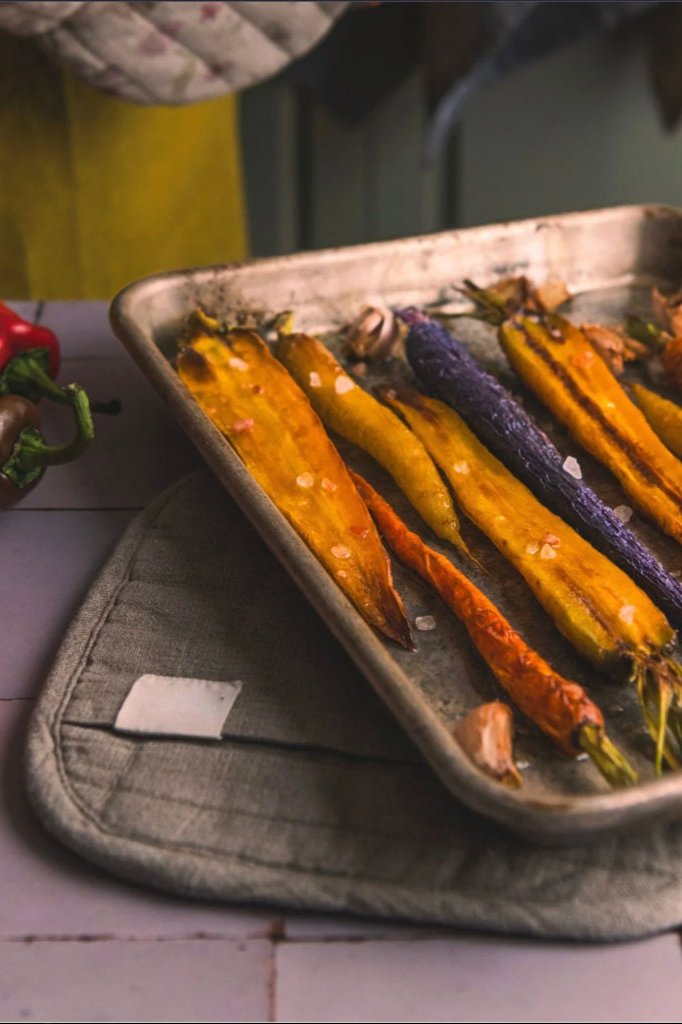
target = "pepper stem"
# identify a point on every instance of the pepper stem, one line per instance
(283, 323)
(31, 455)
(27, 375)
(491, 307)
(613, 765)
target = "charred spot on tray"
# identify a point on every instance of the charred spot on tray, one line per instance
(589, 406)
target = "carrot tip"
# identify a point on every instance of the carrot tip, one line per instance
(461, 546)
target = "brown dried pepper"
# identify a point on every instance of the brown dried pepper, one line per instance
(24, 454)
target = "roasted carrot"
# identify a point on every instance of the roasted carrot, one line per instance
(599, 609)
(664, 416)
(559, 707)
(446, 369)
(559, 364)
(269, 422)
(358, 417)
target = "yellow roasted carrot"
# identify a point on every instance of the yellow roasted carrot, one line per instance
(267, 419)
(664, 416)
(559, 364)
(358, 417)
(595, 605)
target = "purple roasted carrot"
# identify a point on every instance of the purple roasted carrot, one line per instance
(446, 369)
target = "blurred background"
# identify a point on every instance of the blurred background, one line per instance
(581, 125)
(141, 137)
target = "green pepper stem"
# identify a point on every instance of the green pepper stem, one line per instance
(26, 374)
(32, 451)
(606, 756)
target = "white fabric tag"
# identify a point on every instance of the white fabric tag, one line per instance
(172, 705)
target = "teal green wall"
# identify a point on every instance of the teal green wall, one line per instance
(578, 129)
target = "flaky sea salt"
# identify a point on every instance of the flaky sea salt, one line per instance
(341, 551)
(238, 364)
(627, 613)
(343, 384)
(305, 480)
(461, 467)
(623, 512)
(328, 485)
(425, 622)
(532, 548)
(314, 379)
(572, 467)
(242, 426)
(547, 551)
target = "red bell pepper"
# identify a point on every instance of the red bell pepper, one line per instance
(18, 335)
(30, 360)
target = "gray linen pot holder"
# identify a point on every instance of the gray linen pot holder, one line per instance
(312, 797)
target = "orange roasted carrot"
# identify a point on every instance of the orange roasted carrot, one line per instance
(261, 411)
(558, 706)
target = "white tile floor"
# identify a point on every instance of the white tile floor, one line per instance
(77, 944)
(145, 980)
(472, 978)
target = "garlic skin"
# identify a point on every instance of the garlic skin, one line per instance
(375, 334)
(486, 734)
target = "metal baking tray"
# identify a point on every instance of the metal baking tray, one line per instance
(609, 258)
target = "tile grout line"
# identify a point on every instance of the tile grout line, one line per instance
(425, 935)
(91, 938)
(270, 934)
(277, 936)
